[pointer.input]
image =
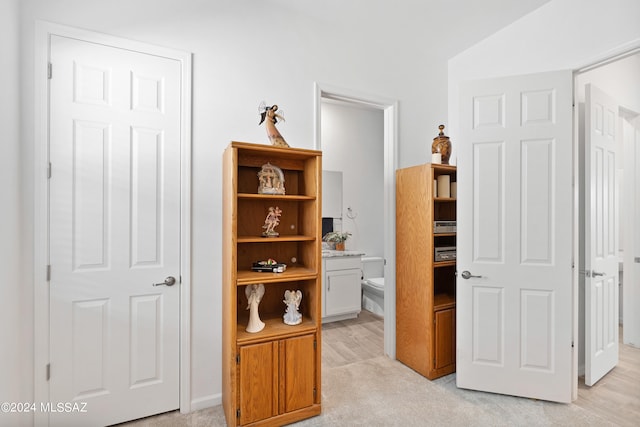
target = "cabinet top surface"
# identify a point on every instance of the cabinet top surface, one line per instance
(328, 253)
(438, 166)
(281, 151)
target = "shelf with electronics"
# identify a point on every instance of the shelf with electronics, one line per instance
(425, 270)
(272, 375)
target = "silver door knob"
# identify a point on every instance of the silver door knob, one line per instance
(467, 275)
(596, 274)
(169, 281)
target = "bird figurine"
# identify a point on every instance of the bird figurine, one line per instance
(269, 116)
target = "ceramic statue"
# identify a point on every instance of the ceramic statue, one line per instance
(271, 222)
(269, 117)
(271, 180)
(292, 299)
(254, 295)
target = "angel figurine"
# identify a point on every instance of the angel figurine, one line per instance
(292, 299)
(254, 294)
(269, 116)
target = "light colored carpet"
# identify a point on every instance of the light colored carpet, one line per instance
(362, 387)
(383, 392)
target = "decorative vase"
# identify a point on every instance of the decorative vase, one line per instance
(339, 246)
(442, 144)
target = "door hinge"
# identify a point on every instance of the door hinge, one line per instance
(48, 371)
(315, 344)
(49, 70)
(49, 171)
(315, 392)
(238, 413)
(571, 344)
(237, 359)
(48, 273)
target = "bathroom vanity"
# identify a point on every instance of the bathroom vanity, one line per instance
(341, 287)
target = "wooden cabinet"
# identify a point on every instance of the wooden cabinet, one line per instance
(271, 377)
(425, 288)
(276, 377)
(342, 290)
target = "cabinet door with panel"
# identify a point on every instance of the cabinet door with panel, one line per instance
(342, 294)
(276, 377)
(297, 378)
(342, 290)
(258, 381)
(445, 338)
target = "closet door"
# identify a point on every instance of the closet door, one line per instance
(515, 243)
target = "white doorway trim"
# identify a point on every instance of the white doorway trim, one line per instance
(390, 110)
(44, 30)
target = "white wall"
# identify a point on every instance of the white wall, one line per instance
(245, 52)
(353, 143)
(14, 330)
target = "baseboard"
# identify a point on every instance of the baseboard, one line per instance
(206, 402)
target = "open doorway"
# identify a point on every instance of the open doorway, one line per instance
(386, 110)
(618, 78)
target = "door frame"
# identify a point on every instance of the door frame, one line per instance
(44, 30)
(390, 109)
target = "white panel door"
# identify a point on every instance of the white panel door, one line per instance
(114, 231)
(601, 235)
(630, 210)
(514, 284)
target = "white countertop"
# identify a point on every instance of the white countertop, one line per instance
(330, 253)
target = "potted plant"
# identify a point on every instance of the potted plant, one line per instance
(337, 238)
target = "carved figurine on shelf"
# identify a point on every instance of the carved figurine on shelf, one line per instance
(269, 116)
(271, 222)
(271, 180)
(442, 144)
(292, 299)
(254, 295)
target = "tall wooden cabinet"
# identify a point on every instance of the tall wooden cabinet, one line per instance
(425, 288)
(271, 377)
